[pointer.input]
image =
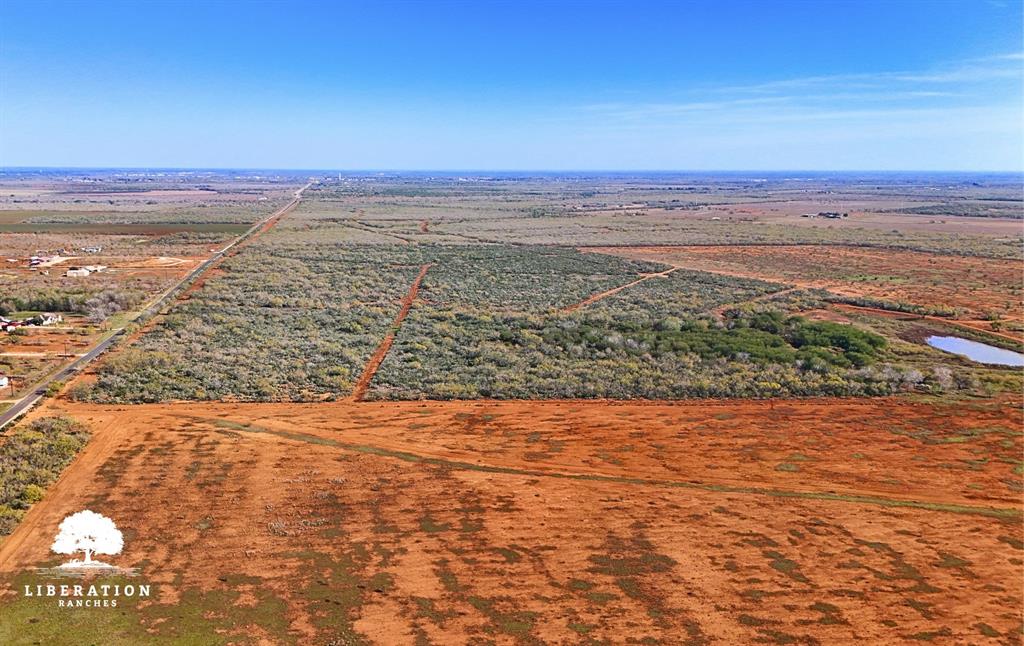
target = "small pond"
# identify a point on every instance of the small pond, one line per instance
(975, 351)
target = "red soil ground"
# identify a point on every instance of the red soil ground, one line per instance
(48, 340)
(882, 521)
(977, 286)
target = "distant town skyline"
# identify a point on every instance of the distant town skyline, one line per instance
(572, 86)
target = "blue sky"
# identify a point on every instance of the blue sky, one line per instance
(514, 85)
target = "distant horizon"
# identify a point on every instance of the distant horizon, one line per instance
(508, 171)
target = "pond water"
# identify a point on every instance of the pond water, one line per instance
(975, 351)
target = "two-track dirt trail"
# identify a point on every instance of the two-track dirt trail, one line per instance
(616, 290)
(719, 311)
(385, 345)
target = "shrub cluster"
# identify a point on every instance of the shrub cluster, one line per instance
(515, 356)
(658, 339)
(31, 458)
(95, 302)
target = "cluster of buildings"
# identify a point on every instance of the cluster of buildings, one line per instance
(80, 272)
(10, 325)
(39, 260)
(830, 215)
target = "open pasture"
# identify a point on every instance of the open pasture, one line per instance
(682, 228)
(782, 522)
(971, 287)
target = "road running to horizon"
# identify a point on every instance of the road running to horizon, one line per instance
(39, 390)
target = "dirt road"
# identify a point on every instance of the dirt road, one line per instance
(385, 345)
(616, 290)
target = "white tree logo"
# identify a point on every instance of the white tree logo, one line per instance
(90, 533)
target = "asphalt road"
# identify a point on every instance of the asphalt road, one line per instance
(39, 390)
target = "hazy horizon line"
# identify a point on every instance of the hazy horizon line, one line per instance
(4, 168)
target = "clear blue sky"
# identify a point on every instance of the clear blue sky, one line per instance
(514, 85)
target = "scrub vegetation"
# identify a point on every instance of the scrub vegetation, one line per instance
(277, 324)
(509, 309)
(459, 353)
(31, 457)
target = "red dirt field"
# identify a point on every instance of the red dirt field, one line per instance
(977, 286)
(810, 521)
(164, 267)
(863, 214)
(45, 343)
(50, 340)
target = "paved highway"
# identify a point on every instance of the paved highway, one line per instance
(39, 390)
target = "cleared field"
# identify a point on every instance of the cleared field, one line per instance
(19, 246)
(975, 286)
(197, 214)
(122, 229)
(784, 522)
(984, 290)
(661, 228)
